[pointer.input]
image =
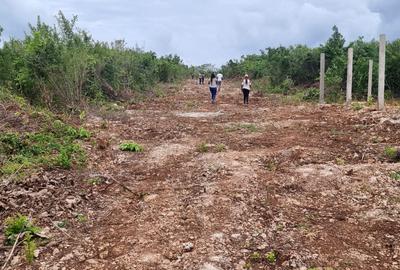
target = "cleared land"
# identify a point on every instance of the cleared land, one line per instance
(220, 186)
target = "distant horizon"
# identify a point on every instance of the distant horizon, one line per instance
(199, 36)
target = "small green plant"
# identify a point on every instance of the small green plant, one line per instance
(247, 266)
(202, 148)
(30, 247)
(392, 153)
(395, 175)
(271, 256)
(81, 218)
(271, 165)
(21, 227)
(83, 134)
(82, 115)
(220, 147)
(94, 181)
(311, 94)
(62, 224)
(356, 106)
(340, 161)
(370, 101)
(255, 256)
(131, 146)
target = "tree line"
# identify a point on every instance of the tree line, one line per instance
(285, 67)
(62, 66)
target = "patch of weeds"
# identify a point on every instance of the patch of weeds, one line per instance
(340, 161)
(370, 101)
(247, 266)
(62, 224)
(83, 134)
(81, 218)
(271, 165)
(191, 104)
(202, 148)
(395, 175)
(21, 225)
(392, 153)
(159, 91)
(271, 256)
(356, 106)
(82, 115)
(311, 94)
(131, 147)
(94, 181)
(21, 152)
(255, 256)
(220, 147)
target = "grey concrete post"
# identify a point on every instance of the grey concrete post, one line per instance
(381, 81)
(322, 79)
(349, 76)
(370, 68)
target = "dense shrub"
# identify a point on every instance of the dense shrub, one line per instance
(63, 66)
(300, 65)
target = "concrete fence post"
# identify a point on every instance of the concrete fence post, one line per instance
(370, 68)
(322, 79)
(349, 76)
(381, 81)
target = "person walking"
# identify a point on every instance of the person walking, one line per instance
(220, 77)
(246, 86)
(213, 87)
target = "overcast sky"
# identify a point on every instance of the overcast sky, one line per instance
(211, 31)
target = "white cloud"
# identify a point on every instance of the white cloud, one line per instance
(211, 31)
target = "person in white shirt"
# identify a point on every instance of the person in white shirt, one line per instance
(220, 77)
(213, 87)
(246, 86)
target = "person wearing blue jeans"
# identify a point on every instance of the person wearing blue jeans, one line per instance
(213, 87)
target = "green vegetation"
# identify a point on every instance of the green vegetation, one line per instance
(255, 256)
(356, 106)
(220, 147)
(131, 146)
(63, 67)
(395, 175)
(54, 146)
(271, 256)
(287, 70)
(203, 148)
(392, 153)
(20, 228)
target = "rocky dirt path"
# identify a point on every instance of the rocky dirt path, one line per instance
(220, 186)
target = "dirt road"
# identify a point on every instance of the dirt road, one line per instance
(265, 186)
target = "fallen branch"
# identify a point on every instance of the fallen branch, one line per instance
(119, 183)
(12, 250)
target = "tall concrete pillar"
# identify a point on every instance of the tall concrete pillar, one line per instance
(322, 79)
(370, 68)
(381, 81)
(349, 76)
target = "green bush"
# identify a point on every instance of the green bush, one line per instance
(62, 66)
(21, 225)
(131, 146)
(392, 153)
(16, 225)
(311, 94)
